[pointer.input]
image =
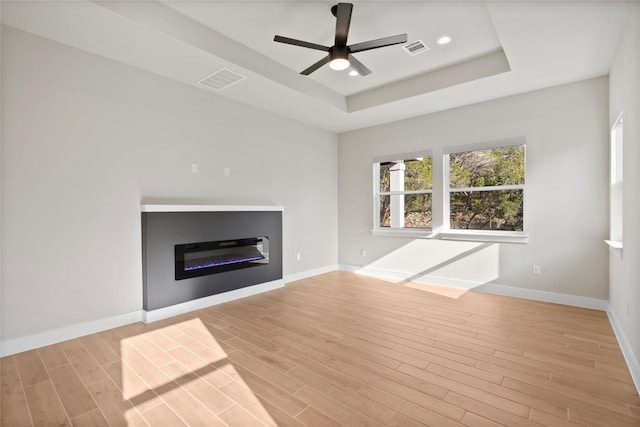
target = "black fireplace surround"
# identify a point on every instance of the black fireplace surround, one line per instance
(191, 255)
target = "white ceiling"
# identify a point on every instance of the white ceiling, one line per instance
(499, 48)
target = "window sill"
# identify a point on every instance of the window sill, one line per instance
(420, 233)
(615, 246)
(472, 236)
(486, 236)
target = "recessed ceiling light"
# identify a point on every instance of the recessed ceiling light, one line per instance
(353, 73)
(444, 40)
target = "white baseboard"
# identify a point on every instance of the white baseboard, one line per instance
(185, 307)
(627, 352)
(310, 273)
(546, 296)
(29, 342)
(490, 288)
(17, 345)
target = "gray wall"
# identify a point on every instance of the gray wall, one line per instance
(566, 197)
(625, 97)
(85, 139)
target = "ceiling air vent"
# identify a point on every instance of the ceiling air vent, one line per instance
(221, 79)
(415, 47)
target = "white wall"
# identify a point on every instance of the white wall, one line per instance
(625, 273)
(85, 139)
(566, 198)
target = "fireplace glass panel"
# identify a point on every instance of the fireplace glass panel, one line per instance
(200, 259)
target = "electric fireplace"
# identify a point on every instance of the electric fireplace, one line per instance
(190, 253)
(200, 259)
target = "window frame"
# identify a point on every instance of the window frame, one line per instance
(377, 194)
(447, 189)
(441, 194)
(616, 180)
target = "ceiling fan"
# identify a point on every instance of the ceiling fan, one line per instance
(340, 55)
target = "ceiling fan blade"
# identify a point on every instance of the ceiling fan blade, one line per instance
(343, 21)
(375, 44)
(317, 65)
(359, 66)
(301, 43)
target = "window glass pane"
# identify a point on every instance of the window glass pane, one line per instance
(487, 210)
(385, 177)
(417, 210)
(418, 174)
(385, 211)
(486, 168)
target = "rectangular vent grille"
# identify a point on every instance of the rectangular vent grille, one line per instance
(415, 47)
(221, 79)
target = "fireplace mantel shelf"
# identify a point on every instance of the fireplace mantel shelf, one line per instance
(207, 208)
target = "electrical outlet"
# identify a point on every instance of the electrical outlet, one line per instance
(536, 270)
(363, 252)
(298, 256)
(194, 168)
(227, 171)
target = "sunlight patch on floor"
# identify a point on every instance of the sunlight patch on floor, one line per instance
(438, 290)
(184, 363)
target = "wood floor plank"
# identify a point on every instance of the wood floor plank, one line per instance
(117, 411)
(473, 420)
(312, 417)
(187, 407)
(84, 363)
(75, 397)
(412, 410)
(213, 373)
(268, 357)
(13, 404)
(162, 415)
(207, 394)
(335, 409)
(132, 386)
(31, 368)
(247, 401)
(549, 420)
(270, 392)
(285, 381)
(345, 395)
(90, 419)
(52, 356)
(100, 350)
(278, 416)
(45, 406)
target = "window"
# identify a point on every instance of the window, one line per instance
(486, 189)
(615, 189)
(403, 193)
(464, 193)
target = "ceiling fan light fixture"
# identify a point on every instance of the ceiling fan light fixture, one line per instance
(339, 64)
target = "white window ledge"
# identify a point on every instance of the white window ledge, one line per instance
(615, 246)
(473, 236)
(485, 236)
(420, 233)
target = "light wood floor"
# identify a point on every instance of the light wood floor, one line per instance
(336, 349)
